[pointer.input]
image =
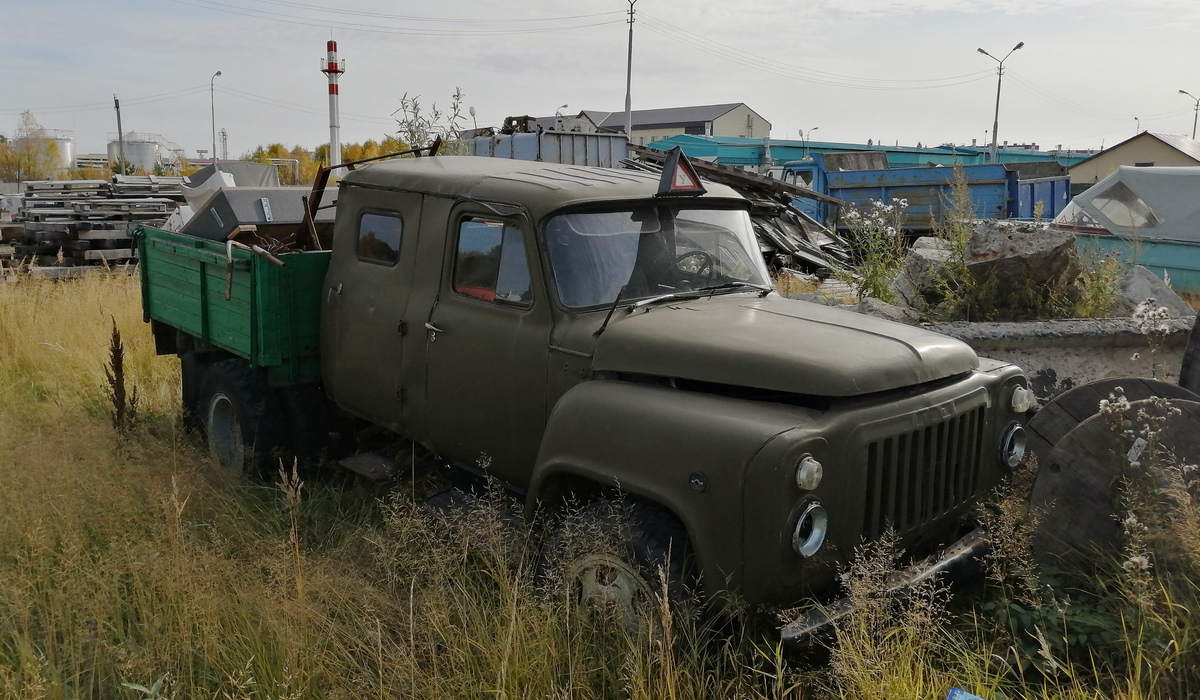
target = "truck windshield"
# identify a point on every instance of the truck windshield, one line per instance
(650, 251)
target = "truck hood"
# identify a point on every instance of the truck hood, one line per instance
(777, 344)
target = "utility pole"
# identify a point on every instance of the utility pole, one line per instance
(999, 78)
(333, 68)
(629, 79)
(120, 137)
(212, 103)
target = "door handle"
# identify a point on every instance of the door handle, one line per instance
(433, 331)
(333, 289)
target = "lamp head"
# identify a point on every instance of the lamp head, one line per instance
(1018, 46)
(985, 53)
(217, 75)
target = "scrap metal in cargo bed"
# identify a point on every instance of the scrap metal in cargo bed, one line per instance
(591, 330)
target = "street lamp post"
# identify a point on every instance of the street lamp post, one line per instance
(999, 79)
(212, 101)
(1196, 108)
(806, 139)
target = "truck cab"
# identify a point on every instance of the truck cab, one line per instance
(571, 325)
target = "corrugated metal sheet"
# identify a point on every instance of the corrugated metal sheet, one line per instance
(568, 148)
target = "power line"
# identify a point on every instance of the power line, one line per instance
(270, 101)
(768, 65)
(375, 28)
(415, 18)
(108, 104)
(1077, 108)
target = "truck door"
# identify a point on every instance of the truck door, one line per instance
(486, 343)
(364, 325)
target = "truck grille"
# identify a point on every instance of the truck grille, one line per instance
(914, 477)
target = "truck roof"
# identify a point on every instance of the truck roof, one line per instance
(541, 187)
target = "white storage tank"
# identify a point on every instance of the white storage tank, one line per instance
(144, 150)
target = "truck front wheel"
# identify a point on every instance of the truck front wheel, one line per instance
(242, 418)
(613, 556)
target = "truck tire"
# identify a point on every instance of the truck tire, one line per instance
(1189, 372)
(642, 538)
(242, 419)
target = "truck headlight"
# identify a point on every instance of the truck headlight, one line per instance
(1022, 400)
(1012, 444)
(809, 473)
(810, 530)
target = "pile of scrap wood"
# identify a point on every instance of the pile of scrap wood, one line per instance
(89, 222)
(789, 238)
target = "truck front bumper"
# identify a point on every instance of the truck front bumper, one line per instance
(957, 556)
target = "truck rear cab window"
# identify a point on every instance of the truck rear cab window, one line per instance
(378, 239)
(490, 263)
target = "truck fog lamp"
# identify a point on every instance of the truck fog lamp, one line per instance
(1023, 400)
(810, 530)
(1012, 445)
(809, 473)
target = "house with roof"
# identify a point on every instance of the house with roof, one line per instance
(1145, 150)
(733, 119)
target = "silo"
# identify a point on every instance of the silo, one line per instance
(65, 141)
(141, 150)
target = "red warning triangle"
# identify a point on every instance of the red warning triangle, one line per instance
(683, 179)
(679, 178)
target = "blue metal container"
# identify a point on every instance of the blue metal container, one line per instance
(997, 190)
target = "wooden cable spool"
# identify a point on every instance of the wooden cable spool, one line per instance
(1078, 484)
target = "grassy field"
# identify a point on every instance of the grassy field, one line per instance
(129, 568)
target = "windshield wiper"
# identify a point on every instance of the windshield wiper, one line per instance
(762, 289)
(673, 296)
(611, 309)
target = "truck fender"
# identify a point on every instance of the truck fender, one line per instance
(687, 451)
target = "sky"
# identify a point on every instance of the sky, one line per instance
(887, 70)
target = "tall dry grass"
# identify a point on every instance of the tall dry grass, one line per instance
(130, 568)
(125, 559)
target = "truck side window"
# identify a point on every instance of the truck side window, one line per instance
(379, 238)
(490, 263)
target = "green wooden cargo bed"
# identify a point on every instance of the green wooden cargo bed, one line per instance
(243, 303)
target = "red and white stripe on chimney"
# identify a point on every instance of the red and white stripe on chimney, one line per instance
(332, 67)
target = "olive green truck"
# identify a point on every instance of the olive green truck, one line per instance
(587, 331)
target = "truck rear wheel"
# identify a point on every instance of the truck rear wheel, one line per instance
(242, 418)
